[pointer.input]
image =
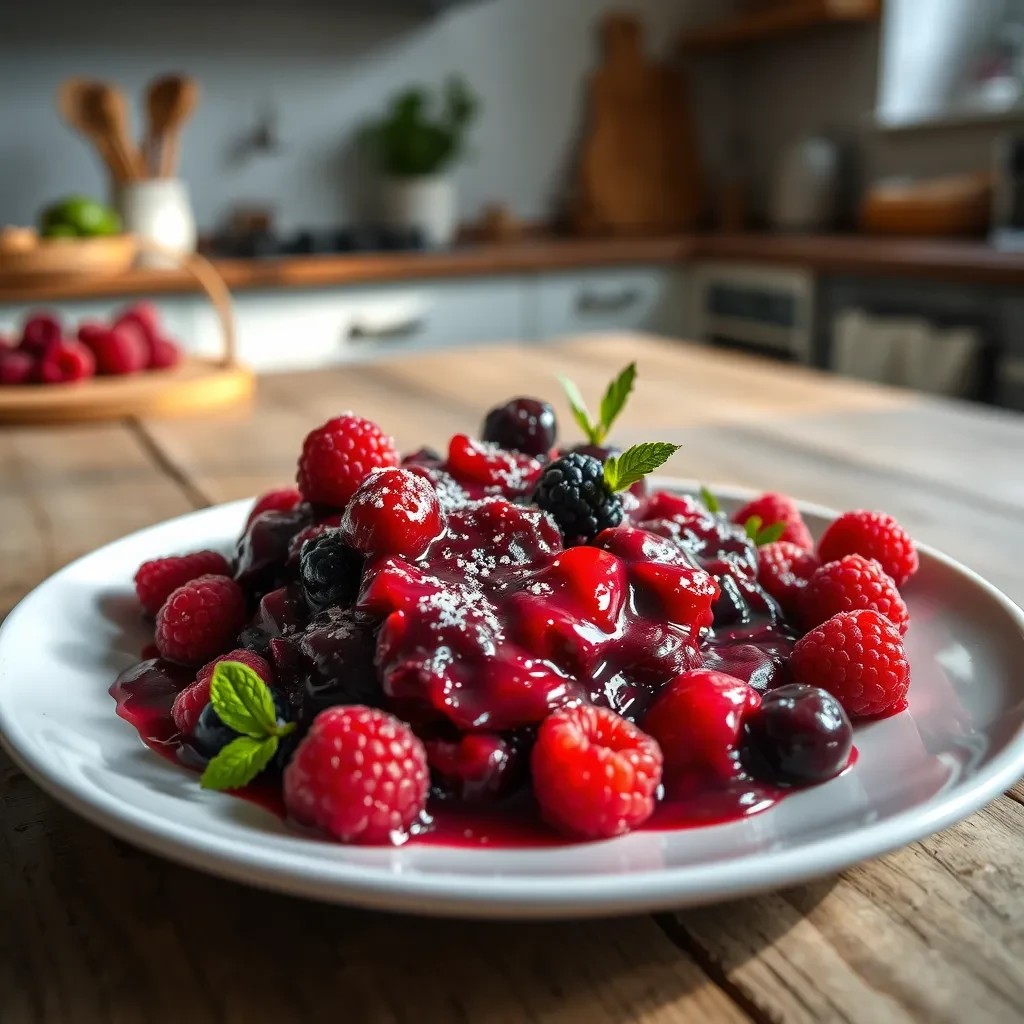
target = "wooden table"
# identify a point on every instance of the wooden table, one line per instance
(92, 930)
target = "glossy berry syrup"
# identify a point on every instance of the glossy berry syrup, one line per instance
(478, 639)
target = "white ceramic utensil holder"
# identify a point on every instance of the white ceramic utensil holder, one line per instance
(159, 210)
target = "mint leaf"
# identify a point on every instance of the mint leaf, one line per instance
(579, 410)
(751, 526)
(622, 471)
(710, 501)
(614, 400)
(243, 700)
(769, 534)
(238, 763)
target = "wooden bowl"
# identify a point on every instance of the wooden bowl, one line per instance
(69, 257)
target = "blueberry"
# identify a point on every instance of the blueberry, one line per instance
(211, 735)
(524, 425)
(798, 736)
(330, 571)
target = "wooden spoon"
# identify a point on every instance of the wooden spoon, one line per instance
(110, 110)
(75, 102)
(170, 101)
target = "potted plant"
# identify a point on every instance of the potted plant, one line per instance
(414, 145)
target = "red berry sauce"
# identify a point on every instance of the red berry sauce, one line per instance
(494, 627)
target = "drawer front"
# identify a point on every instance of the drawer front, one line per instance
(295, 330)
(176, 314)
(625, 298)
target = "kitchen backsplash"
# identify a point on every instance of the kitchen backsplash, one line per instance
(320, 67)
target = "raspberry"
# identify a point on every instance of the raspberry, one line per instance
(783, 569)
(284, 499)
(774, 508)
(40, 333)
(595, 775)
(858, 657)
(163, 354)
(117, 350)
(142, 320)
(200, 619)
(393, 512)
(574, 492)
(189, 704)
(337, 457)
(697, 721)
(330, 570)
(524, 425)
(479, 462)
(360, 775)
(873, 535)
(850, 583)
(155, 579)
(15, 367)
(65, 363)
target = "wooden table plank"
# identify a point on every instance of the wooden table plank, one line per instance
(96, 931)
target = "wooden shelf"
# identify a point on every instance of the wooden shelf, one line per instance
(778, 22)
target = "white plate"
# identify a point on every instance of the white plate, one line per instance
(961, 744)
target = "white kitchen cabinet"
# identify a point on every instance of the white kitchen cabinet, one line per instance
(648, 298)
(284, 330)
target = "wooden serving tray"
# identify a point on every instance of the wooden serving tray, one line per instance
(195, 386)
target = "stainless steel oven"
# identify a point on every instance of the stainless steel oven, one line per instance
(768, 310)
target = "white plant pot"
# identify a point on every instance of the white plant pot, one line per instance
(158, 210)
(426, 203)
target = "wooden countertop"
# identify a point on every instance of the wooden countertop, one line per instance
(95, 931)
(971, 262)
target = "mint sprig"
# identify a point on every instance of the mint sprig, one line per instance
(710, 501)
(238, 763)
(612, 403)
(761, 534)
(243, 702)
(622, 471)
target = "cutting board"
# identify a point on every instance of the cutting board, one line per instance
(639, 170)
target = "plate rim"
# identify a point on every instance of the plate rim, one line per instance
(445, 893)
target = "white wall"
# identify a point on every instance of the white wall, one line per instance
(326, 66)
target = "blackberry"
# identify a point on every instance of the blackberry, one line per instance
(574, 492)
(524, 425)
(330, 571)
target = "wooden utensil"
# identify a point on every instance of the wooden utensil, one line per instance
(73, 100)
(100, 112)
(110, 109)
(638, 169)
(170, 101)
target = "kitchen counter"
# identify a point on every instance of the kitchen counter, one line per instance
(96, 931)
(971, 262)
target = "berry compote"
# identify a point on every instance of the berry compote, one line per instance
(476, 638)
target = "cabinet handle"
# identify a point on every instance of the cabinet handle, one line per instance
(387, 332)
(607, 302)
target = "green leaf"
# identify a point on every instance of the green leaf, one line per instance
(710, 501)
(751, 526)
(579, 410)
(614, 400)
(238, 763)
(769, 534)
(622, 471)
(243, 700)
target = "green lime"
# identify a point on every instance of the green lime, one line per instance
(87, 217)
